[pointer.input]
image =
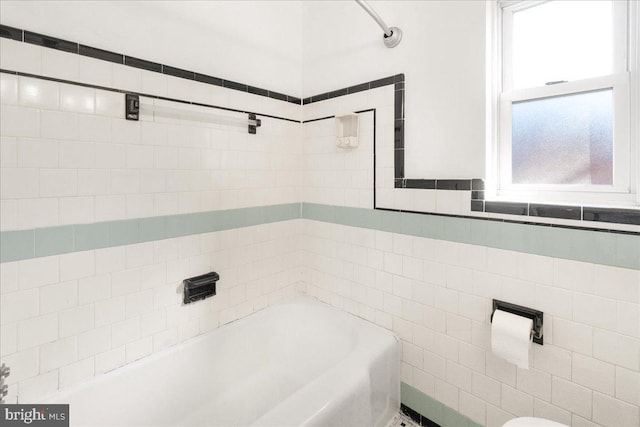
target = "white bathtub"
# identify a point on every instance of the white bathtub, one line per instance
(301, 363)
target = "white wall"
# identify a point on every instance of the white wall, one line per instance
(442, 57)
(257, 43)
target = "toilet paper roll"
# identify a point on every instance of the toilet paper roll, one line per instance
(511, 337)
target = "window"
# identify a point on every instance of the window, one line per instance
(563, 123)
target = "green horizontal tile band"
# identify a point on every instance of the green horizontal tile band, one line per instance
(26, 244)
(599, 247)
(614, 249)
(432, 409)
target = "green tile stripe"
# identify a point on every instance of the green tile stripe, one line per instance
(25, 244)
(613, 249)
(432, 409)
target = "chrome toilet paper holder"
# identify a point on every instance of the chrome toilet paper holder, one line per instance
(535, 315)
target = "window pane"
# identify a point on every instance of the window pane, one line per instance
(562, 40)
(563, 140)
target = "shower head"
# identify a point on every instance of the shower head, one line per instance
(392, 36)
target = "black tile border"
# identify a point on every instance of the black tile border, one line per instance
(146, 95)
(93, 52)
(607, 215)
(417, 417)
(476, 186)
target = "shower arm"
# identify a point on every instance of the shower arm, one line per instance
(393, 35)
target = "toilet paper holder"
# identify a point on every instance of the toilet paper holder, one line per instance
(518, 310)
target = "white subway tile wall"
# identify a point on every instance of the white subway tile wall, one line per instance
(69, 152)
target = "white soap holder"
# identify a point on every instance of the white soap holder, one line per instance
(347, 131)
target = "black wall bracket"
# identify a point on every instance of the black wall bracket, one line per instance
(200, 287)
(131, 107)
(535, 315)
(252, 128)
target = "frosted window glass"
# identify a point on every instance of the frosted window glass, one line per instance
(563, 140)
(562, 40)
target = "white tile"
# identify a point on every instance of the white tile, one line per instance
(575, 275)
(37, 330)
(34, 388)
(19, 121)
(125, 282)
(611, 412)
(125, 131)
(59, 64)
(617, 349)
(424, 382)
(38, 93)
(152, 323)
(459, 278)
(459, 327)
(8, 151)
(472, 407)
(8, 215)
(542, 409)
(18, 56)
(94, 341)
(76, 373)
(76, 320)
(584, 307)
(573, 336)
(125, 181)
(37, 153)
(516, 402)
(34, 213)
(79, 155)
(501, 370)
(447, 394)
(8, 277)
(617, 283)
(95, 71)
(57, 354)
(139, 205)
(155, 84)
(58, 297)
(628, 319)
(501, 262)
(58, 124)
(77, 210)
(593, 374)
(139, 157)
(77, 265)
(496, 417)
(110, 208)
(125, 332)
(535, 383)
(127, 78)
(8, 89)
(93, 182)
(8, 339)
(628, 385)
(58, 182)
(111, 156)
(139, 349)
(37, 272)
(554, 300)
(95, 288)
(110, 104)
(571, 397)
(139, 303)
(23, 364)
(110, 360)
(94, 128)
(110, 259)
(552, 359)
(458, 376)
(109, 311)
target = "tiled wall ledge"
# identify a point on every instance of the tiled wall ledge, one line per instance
(573, 243)
(429, 412)
(118, 58)
(40, 242)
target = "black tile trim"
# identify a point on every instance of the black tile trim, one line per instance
(477, 194)
(178, 72)
(142, 64)
(510, 208)
(555, 211)
(10, 33)
(51, 42)
(146, 95)
(477, 205)
(417, 416)
(477, 184)
(453, 184)
(396, 79)
(618, 216)
(105, 55)
(425, 184)
(72, 47)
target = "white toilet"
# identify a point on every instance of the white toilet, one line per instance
(532, 422)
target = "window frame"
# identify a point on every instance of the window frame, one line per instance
(624, 81)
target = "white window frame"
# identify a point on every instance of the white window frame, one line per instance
(626, 94)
